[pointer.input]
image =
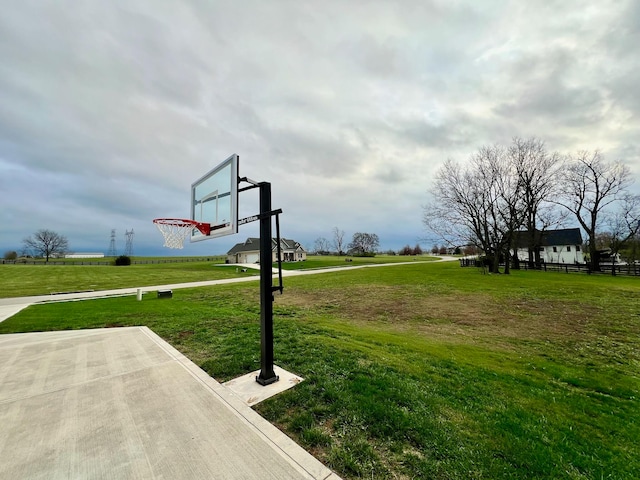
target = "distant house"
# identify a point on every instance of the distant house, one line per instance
(84, 255)
(606, 257)
(556, 246)
(249, 251)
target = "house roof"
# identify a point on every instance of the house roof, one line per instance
(287, 244)
(564, 236)
(252, 244)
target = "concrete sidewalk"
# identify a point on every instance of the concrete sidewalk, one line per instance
(122, 403)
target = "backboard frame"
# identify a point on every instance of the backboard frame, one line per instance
(219, 185)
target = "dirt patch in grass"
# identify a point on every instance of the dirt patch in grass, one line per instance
(185, 334)
(113, 325)
(448, 315)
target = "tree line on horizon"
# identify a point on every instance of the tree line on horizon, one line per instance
(522, 188)
(362, 243)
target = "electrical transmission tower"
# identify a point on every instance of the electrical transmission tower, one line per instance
(112, 244)
(128, 249)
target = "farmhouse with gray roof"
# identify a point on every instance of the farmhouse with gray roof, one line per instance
(249, 251)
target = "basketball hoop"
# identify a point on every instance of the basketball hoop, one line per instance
(175, 230)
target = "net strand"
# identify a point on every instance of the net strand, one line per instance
(174, 233)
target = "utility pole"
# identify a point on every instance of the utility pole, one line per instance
(112, 244)
(128, 249)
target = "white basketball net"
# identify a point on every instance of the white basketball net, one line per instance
(174, 231)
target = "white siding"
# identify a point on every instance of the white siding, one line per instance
(556, 254)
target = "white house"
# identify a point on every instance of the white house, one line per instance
(249, 251)
(556, 246)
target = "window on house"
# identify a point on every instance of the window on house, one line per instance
(541, 249)
(577, 248)
(568, 248)
(555, 249)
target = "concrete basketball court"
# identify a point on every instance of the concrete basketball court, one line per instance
(122, 403)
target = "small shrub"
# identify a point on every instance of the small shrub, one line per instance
(123, 260)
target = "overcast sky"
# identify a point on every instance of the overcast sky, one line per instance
(109, 110)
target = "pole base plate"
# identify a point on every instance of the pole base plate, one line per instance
(267, 381)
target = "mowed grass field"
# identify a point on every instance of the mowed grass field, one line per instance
(422, 370)
(24, 280)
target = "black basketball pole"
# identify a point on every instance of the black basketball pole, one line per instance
(267, 375)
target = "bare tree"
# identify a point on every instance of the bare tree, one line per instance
(406, 250)
(591, 185)
(10, 255)
(454, 214)
(46, 243)
(481, 204)
(632, 249)
(537, 172)
(622, 226)
(338, 240)
(321, 245)
(509, 204)
(364, 243)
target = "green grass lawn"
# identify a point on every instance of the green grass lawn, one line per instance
(424, 370)
(111, 260)
(23, 280)
(329, 261)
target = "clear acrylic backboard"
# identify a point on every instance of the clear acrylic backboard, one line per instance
(214, 200)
